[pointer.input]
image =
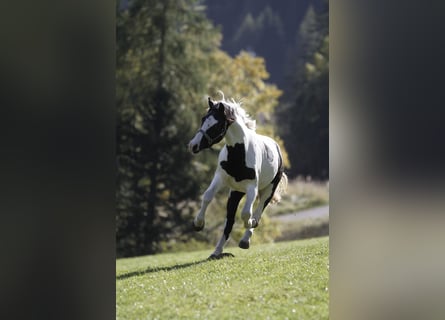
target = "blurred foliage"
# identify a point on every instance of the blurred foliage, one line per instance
(168, 61)
(254, 30)
(301, 194)
(161, 46)
(304, 109)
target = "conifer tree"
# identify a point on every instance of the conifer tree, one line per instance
(304, 111)
(168, 62)
(161, 45)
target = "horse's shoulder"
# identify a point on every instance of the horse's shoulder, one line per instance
(232, 160)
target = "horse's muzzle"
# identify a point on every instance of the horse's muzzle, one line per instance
(193, 148)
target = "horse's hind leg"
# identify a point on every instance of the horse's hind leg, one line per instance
(246, 213)
(264, 197)
(232, 205)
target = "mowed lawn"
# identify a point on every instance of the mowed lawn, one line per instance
(285, 280)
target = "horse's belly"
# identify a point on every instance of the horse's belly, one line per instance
(240, 186)
(265, 178)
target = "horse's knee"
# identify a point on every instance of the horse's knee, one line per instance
(249, 221)
(246, 215)
(247, 218)
(206, 200)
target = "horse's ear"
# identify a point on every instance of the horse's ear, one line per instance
(211, 104)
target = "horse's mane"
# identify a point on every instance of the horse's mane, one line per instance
(236, 109)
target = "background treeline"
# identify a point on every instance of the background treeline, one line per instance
(169, 59)
(293, 38)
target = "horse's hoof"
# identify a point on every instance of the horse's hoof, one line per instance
(220, 256)
(244, 244)
(197, 228)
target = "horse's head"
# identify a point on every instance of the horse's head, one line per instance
(213, 127)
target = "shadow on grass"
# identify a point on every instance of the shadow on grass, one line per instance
(171, 268)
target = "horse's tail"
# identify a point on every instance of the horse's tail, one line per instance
(281, 189)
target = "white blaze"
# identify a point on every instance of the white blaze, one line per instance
(208, 123)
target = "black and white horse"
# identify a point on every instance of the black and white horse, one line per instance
(250, 164)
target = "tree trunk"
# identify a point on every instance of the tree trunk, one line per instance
(159, 104)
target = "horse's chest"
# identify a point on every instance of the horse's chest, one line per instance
(235, 165)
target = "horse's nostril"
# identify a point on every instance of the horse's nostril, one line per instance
(195, 148)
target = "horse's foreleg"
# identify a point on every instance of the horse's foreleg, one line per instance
(246, 214)
(249, 221)
(232, 204)
(245, 240)
(209, 194)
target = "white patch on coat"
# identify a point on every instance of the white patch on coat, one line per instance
(208, 123)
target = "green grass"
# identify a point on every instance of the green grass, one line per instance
(302, 229)
(286, 280)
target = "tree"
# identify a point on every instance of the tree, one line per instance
(263, 35)
(168, 62)
(304, 111)
(161, 45)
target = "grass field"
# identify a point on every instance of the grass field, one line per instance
(286, 280)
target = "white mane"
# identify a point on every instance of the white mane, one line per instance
(235, 108)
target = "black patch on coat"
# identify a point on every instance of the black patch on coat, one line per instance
(232, 205)
(235, 165)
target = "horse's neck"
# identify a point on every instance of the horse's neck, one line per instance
(237, 133)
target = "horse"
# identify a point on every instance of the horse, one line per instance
(250, 164)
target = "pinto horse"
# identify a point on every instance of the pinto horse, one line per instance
(249, 164)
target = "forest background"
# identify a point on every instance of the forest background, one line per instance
(173, 54)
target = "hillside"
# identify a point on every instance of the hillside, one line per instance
(273, 281)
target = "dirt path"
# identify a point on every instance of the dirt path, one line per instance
(313, 213)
